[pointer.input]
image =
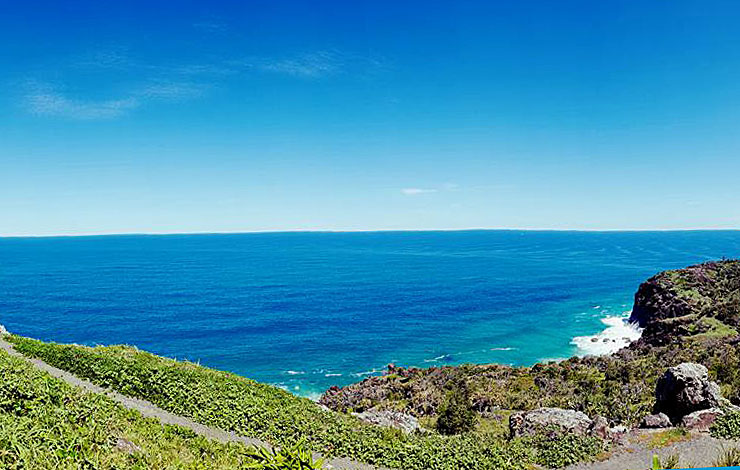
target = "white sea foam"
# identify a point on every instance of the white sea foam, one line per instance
(438, 358)
(367, 372)
(294, 372)
(332, 375)
(619, 332)
(502, 349)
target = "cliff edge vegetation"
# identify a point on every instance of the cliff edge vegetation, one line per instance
(688, 315)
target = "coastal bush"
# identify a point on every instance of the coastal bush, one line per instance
(668, 463)
(727, 426)
(557, 451)
(46, 424)
(456, 415)
(237, 404)
(728, 458)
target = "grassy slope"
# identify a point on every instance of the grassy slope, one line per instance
(48, 424)
(238, 404)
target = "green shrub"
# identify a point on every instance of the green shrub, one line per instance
(668, 463)
(557, 450)
(456, 414)
(727, 426)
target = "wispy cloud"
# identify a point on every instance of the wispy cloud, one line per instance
(172, 82)
(172, 91)
(446, 187)
(44, 100)
(316, 64)
(312, 65)
(417, 191)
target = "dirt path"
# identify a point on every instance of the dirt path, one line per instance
(149, 410)
(701, 450)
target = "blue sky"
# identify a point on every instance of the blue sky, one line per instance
(120, 117)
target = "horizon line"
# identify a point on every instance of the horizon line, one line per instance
(277, 231)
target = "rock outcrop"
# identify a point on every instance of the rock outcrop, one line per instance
(529, 423)
(684, 389)
(657, 420)
(391, 419)
(701, 420)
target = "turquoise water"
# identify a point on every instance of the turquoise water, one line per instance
(309, 310)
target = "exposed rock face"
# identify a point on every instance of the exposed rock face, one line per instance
(655, 301)
(3, 331)
(658, 420)
(690, 314)
(684, 389)
(701, 420)
(529, 423)
(671, 304)
(391, 419)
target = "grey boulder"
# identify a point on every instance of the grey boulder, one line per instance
(391, 419)
(701, 420)
(658, 420)
(684, 389)
(529, 423)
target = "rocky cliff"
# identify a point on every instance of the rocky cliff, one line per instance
(689, 315)
(699, 299)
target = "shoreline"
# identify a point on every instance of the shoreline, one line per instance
(618, 332)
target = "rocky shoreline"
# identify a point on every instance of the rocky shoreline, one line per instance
(682, 371)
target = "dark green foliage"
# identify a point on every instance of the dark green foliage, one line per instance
(456, 414)
(727, 426)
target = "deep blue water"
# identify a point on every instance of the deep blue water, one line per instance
(311, 310)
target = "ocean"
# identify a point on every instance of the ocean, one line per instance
(306, 311)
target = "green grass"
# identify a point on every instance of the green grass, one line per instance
(251, 409)
(714, 328)
(667, 437)
(46, 424)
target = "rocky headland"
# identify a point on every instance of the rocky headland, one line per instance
(684, 371)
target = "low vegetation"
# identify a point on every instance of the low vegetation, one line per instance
(728, 457)
(727, 426)
(251, 409)
(46, 424)
(620, 387)
(669, 462)
(667, 437)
